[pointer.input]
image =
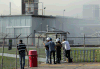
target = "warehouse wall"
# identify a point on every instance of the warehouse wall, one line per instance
(36, 25)
(77, 28)
(6, 22)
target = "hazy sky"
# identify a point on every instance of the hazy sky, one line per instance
(53, 7)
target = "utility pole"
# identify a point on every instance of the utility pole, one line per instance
(10, 8)
(63, 20)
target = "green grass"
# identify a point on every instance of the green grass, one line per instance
(9, 63)
(77, 55)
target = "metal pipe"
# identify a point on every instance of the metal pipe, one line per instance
(16, 49)
(28, 47)
(28, 51)
(16, 53)
(3, 49)
(3, 52)
(63, 20)
(80, 55)
(77, 55)
(10, 8)
(47, 28)
(84, 47)
(93, 55)
(90, 55)
(38, 50)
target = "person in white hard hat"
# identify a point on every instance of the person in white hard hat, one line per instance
(58, 49)
(47, 49)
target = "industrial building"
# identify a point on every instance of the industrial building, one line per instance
(30, 7)
(26, 24)
(91, 11)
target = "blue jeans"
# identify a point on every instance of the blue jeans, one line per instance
(22, 56)
(47, 55)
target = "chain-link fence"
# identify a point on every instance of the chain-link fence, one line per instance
(10, 57)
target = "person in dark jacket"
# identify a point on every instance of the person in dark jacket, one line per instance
(58, 50)
(52, 50)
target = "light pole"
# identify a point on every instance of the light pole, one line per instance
(63, 19)
(44, 10)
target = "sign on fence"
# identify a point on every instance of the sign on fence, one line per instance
(10, 44)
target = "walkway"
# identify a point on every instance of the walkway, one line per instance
(84, 65)
(14, 56)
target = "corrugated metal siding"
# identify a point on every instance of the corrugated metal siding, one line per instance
(36, 25)
(16, 21)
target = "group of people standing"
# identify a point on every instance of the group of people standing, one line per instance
(51, 48)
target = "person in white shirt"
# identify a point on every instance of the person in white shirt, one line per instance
(67, 48)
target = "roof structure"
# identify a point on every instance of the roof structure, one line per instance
(44, 16)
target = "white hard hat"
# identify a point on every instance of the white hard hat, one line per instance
(57, 40)
(48, 38)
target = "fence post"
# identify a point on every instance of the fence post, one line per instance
(38, 49)
(71, 55)
(80, 55)
(16, 50)
(74, 55)
(77, 55)
(94, 55)
(99, 55)
(64, 55)
(28, 51)
(16, 53)
(28, 48)
(84, 47)
(90, 55)
(87, 55)
(3, 51)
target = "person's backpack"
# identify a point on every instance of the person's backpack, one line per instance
(47, 48)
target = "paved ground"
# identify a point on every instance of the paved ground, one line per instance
(26, 57)
(84, 65)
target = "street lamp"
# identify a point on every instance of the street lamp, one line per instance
(44, 10)
(63, 18)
